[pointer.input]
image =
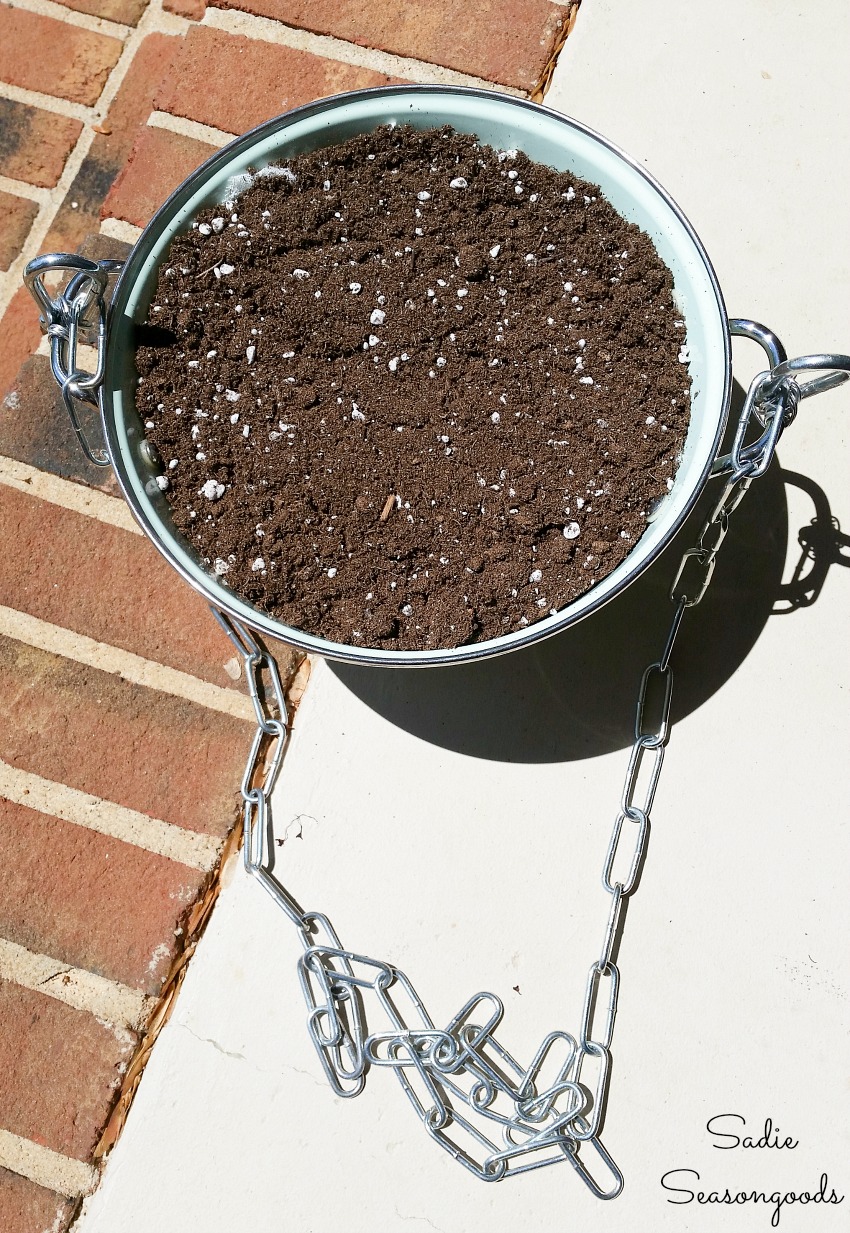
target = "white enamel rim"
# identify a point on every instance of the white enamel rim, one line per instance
(497, 120)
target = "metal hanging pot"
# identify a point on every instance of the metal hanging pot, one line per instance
(444, 1070)
(497, 120)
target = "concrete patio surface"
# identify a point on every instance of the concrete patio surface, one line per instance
(454, 822)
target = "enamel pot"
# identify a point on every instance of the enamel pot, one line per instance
(496, 120)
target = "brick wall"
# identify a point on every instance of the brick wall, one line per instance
(123, 727)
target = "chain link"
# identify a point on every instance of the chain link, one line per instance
(78, 314)
(465, 1087)
(550, 1111)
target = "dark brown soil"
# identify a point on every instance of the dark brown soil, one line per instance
(412, 393)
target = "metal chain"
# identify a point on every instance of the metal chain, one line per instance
(515, 1118)
(494, 1115)
(78, 314)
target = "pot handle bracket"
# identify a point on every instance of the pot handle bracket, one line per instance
(773, 398)
(76, 315)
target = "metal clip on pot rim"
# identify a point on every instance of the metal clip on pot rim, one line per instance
(77, 314)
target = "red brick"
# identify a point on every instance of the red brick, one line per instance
(160, 160)
(34, 144)
(147, 750)
(16, 218)
(89, 900)
(45, 573)
(20, 334)
(27, 1208)
(126, 11)
(79, 214)
(506, 41)
(207, 80)
(59, 1071)
(191, 9)
(71, 63)
(34, 425)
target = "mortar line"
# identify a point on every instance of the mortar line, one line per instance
(117, 229)
(233, 21)
(58, 491)
(57, 640)
(71, 17)
(58, 800)
(20, 188)
(108, 1000)
(84, 112)
(190, 128)
(45, 1167)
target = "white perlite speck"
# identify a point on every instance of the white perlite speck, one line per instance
(407, 610)
(225, 268)
(258, 564)
(250, 352)
(232, 396)
(536, 575)
(212, 490)
(684, 354)
(162, 482)
(220, 567)
(458, 182)
(423, 196)
(378, 317)
(495, 250)
(393, 364)
(572, 530)
(332, 572)
(355, 288)
(301, 274)
(356, 413)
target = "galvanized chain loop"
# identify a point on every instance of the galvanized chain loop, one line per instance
(495, 1116)
(492, 1114)
(264, 759)
(75, 316)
